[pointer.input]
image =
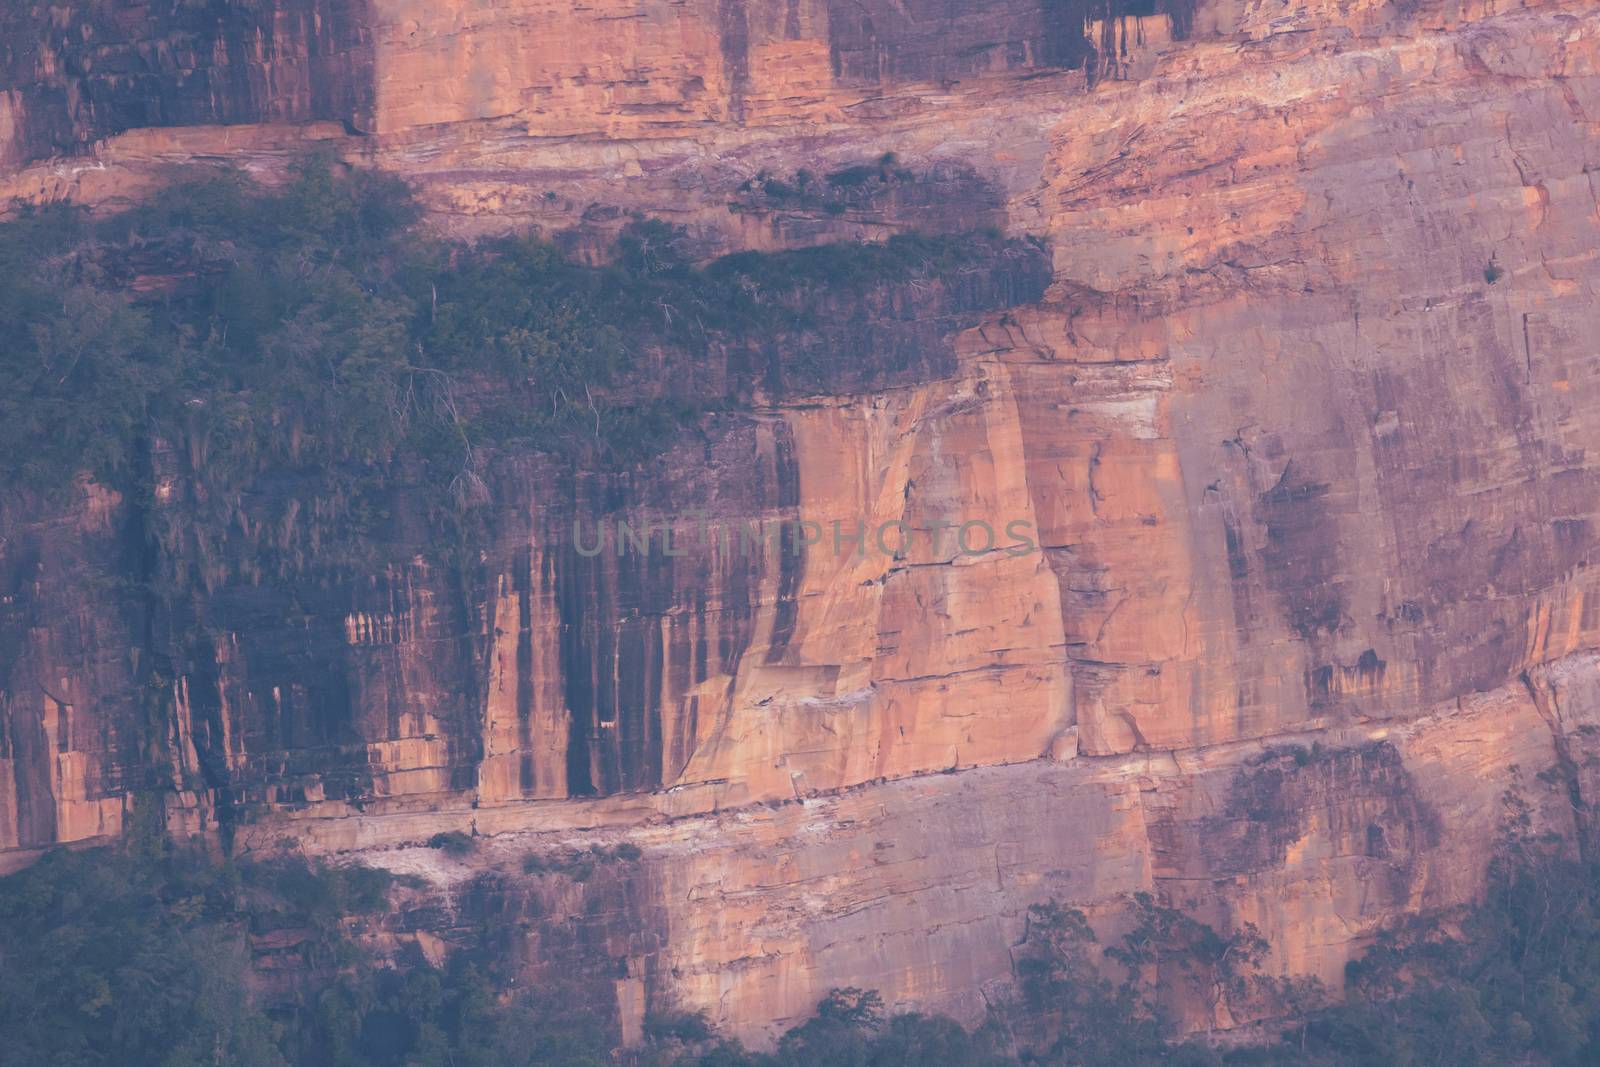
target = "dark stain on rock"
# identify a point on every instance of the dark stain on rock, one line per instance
(522, 577)
(310, 642)
(1362, 799)
(639, 630)
(883, 336)
(1319, 685)
(32, 760)
(1329, 682)
(791, 557)
(1239, 579)
(88, 71)
(1300, 557)
(876, 41)
(733, 24)
(202, 680)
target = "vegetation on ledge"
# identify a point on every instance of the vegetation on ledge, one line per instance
(300, 381)
(312, 325)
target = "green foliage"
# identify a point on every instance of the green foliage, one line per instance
(240, 338)
(756, 281)
(279, 339)
(1516, 981)
(132, 958)
(422, 1016)
(129, 957)
(579, 865)
(77, 364)
(289, 894)
(107, 958)
(1213, 966)
(849, 1030)
(453, 843)
(682, 1027)
(1073, 1007)
(524, 311)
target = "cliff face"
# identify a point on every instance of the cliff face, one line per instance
(1297, 413)
(72, 74)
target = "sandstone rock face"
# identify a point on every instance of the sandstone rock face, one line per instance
(1297, 415)
(71, 74)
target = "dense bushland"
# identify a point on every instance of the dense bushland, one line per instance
(309, 385)
(163, 957)
(314, 326)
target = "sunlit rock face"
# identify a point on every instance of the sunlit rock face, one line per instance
(1292, 395)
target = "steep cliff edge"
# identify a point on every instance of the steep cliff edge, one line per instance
(1299, 421)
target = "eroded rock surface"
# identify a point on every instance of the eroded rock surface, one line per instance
(1300, 419)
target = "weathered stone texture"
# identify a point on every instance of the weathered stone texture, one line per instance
(72, 74)
(1301, 418)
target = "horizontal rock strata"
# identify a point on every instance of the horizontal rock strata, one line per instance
(1299, 420)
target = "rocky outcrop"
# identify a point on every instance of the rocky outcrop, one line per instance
(1298, 423)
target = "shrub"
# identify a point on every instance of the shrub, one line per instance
(453, 842)
(681, 1026)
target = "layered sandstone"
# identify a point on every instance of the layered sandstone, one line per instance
(1299, 420)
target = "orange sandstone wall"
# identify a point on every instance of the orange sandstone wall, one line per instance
(1302, 467)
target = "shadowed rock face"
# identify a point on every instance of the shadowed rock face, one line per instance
(946, 40)
(935, 40)
(1301, 466)
(73, 74)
